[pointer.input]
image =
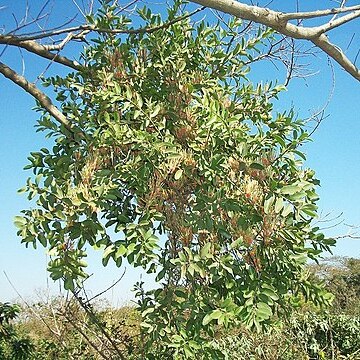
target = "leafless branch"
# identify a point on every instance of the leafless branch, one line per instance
(90, 312)
(319, 13)
(93, 28)
(107, 289)
(84, 335)
(340, 21)
(352, 234)
(279, 21)
(41, 318)
(38, 49)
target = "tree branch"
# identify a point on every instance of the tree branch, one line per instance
(43, 99)
(93, 28)
(319, 13)
(335, 53)
(38, 49)
(279, 22)
(340, 21)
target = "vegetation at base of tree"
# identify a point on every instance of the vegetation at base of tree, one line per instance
(60, 329)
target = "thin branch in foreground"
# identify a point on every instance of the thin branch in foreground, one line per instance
(94, 319)
(31, 308)
(107, 289)
(93, 28)
(84, 335)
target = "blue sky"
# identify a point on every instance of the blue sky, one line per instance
(334, 154)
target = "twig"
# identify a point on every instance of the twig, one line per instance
(319, 13)
(77, 328)
(107, 289)
(88, 309)
(31, 309)
(93, 28)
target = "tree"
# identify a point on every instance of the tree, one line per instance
(342, 278)
(166, 155)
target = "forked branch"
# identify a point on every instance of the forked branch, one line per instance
(280, 22)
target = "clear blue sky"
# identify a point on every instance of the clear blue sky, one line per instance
(334, 154)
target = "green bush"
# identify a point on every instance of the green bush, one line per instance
(325, 336)
(13, 345)
(253, 346)
(346, 333)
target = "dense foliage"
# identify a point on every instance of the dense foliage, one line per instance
(13, 344)
(179, 164)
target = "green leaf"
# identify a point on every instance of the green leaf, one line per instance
(263, 311)
(268, 203)
(205, 251)
(279, 204)
(188, 352)
(257, 166)
(121, 251)
(214, 315)
(20, 221)
(69, 284)
(178, 174)
(194, 345)
(288, 209)
(160, 275)
(107, 117)
(155, 111)
(309, 209)
(290, 189)
(270, 293)
(140, 102)
(106, 255)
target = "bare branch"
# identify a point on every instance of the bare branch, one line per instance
(38, 49)
(41, 318)
(67, 39)
(347, 236)
(319, 13)
(79, 8)
(340, 21)
(88, 301)
(93, 28)
(37, 94)
(94, 319)
(279, 22)
(71, 321)
(335, 53)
